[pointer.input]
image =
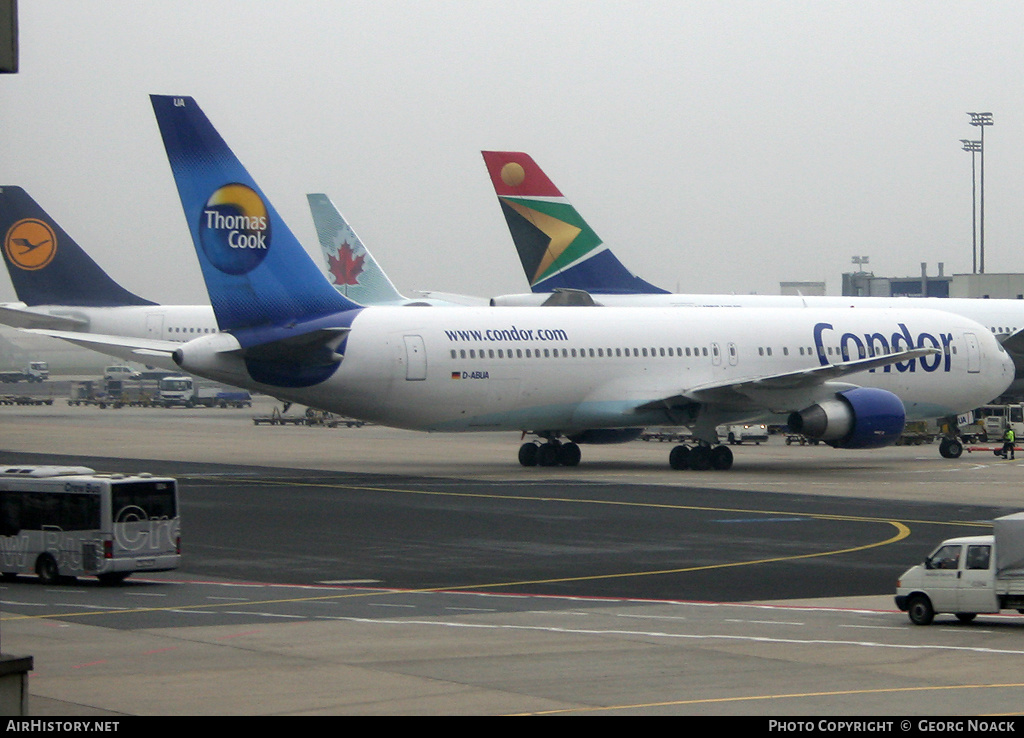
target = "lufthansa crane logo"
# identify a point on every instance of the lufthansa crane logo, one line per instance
(234, 229)
(30, 244)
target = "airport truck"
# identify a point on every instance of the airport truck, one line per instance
(969, 575)
(36, 371)
(186, 392)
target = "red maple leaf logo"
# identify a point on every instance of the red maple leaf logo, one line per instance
(344, 268)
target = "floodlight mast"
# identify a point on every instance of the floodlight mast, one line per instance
(974, 147)
(981, 120)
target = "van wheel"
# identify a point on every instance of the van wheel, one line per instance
(920, 610)
(46, 569)
(966, 617)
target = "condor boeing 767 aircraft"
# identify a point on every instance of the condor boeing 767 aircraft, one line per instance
(583, 374)
(579, 374)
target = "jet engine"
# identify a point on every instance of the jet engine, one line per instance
(863, 417)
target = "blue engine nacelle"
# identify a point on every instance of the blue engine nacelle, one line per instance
(607, 435)
(857, 418)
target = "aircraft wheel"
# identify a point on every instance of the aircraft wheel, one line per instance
(569, 454)
(951, 448)
(528, 454)
(547, 455)
(700, 458)
(679, 458)
(721, 458)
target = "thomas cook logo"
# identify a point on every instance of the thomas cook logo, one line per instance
(30, 244)
(234, 229)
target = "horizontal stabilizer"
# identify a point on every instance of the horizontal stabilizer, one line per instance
(100, 342)
(17, 316)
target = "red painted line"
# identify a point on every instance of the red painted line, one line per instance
(239, 635)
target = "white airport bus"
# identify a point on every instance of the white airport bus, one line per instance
(68, 521)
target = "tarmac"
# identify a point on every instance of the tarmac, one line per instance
(843, 656)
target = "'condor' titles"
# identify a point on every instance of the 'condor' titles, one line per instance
(852, 346)
(234, 229)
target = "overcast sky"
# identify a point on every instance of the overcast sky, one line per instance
(715, 145)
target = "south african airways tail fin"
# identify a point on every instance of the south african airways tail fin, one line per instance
(556, 246)
(262, 283)
(350, 267)
(46, 266)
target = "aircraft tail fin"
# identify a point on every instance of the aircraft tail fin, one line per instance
(350, 267)
(556, 246)
(261, 281)
(46, 265)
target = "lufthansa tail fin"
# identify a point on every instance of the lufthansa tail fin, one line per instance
(350, 267)
(556, 246)
(262, 283)
(46, 266)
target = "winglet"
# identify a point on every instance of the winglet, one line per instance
(257, 273)
(556, 246)
(46, 266)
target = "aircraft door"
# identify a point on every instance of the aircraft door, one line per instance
(415, 358)
(973, 353)
(155, 326)
(716, 355)
(733, 353)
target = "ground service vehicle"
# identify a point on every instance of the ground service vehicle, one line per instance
(184, 391)
(60, 521)
(118, 372)
(746, 433)
(997, 418)
(36, 371)
(967, 576)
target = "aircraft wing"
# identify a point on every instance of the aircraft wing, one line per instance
(15, 314)
(784, 385)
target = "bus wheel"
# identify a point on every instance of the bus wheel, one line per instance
(112, 577)
(46, 568)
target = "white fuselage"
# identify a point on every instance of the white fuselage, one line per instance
(568, 369)
(177, 323)
(999, 316)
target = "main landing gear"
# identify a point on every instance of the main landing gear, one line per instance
(700, 457)
(553, 452)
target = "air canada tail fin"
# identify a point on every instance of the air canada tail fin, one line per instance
(46, 266)
(350, 267)
(556, 246)
(260, 279)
